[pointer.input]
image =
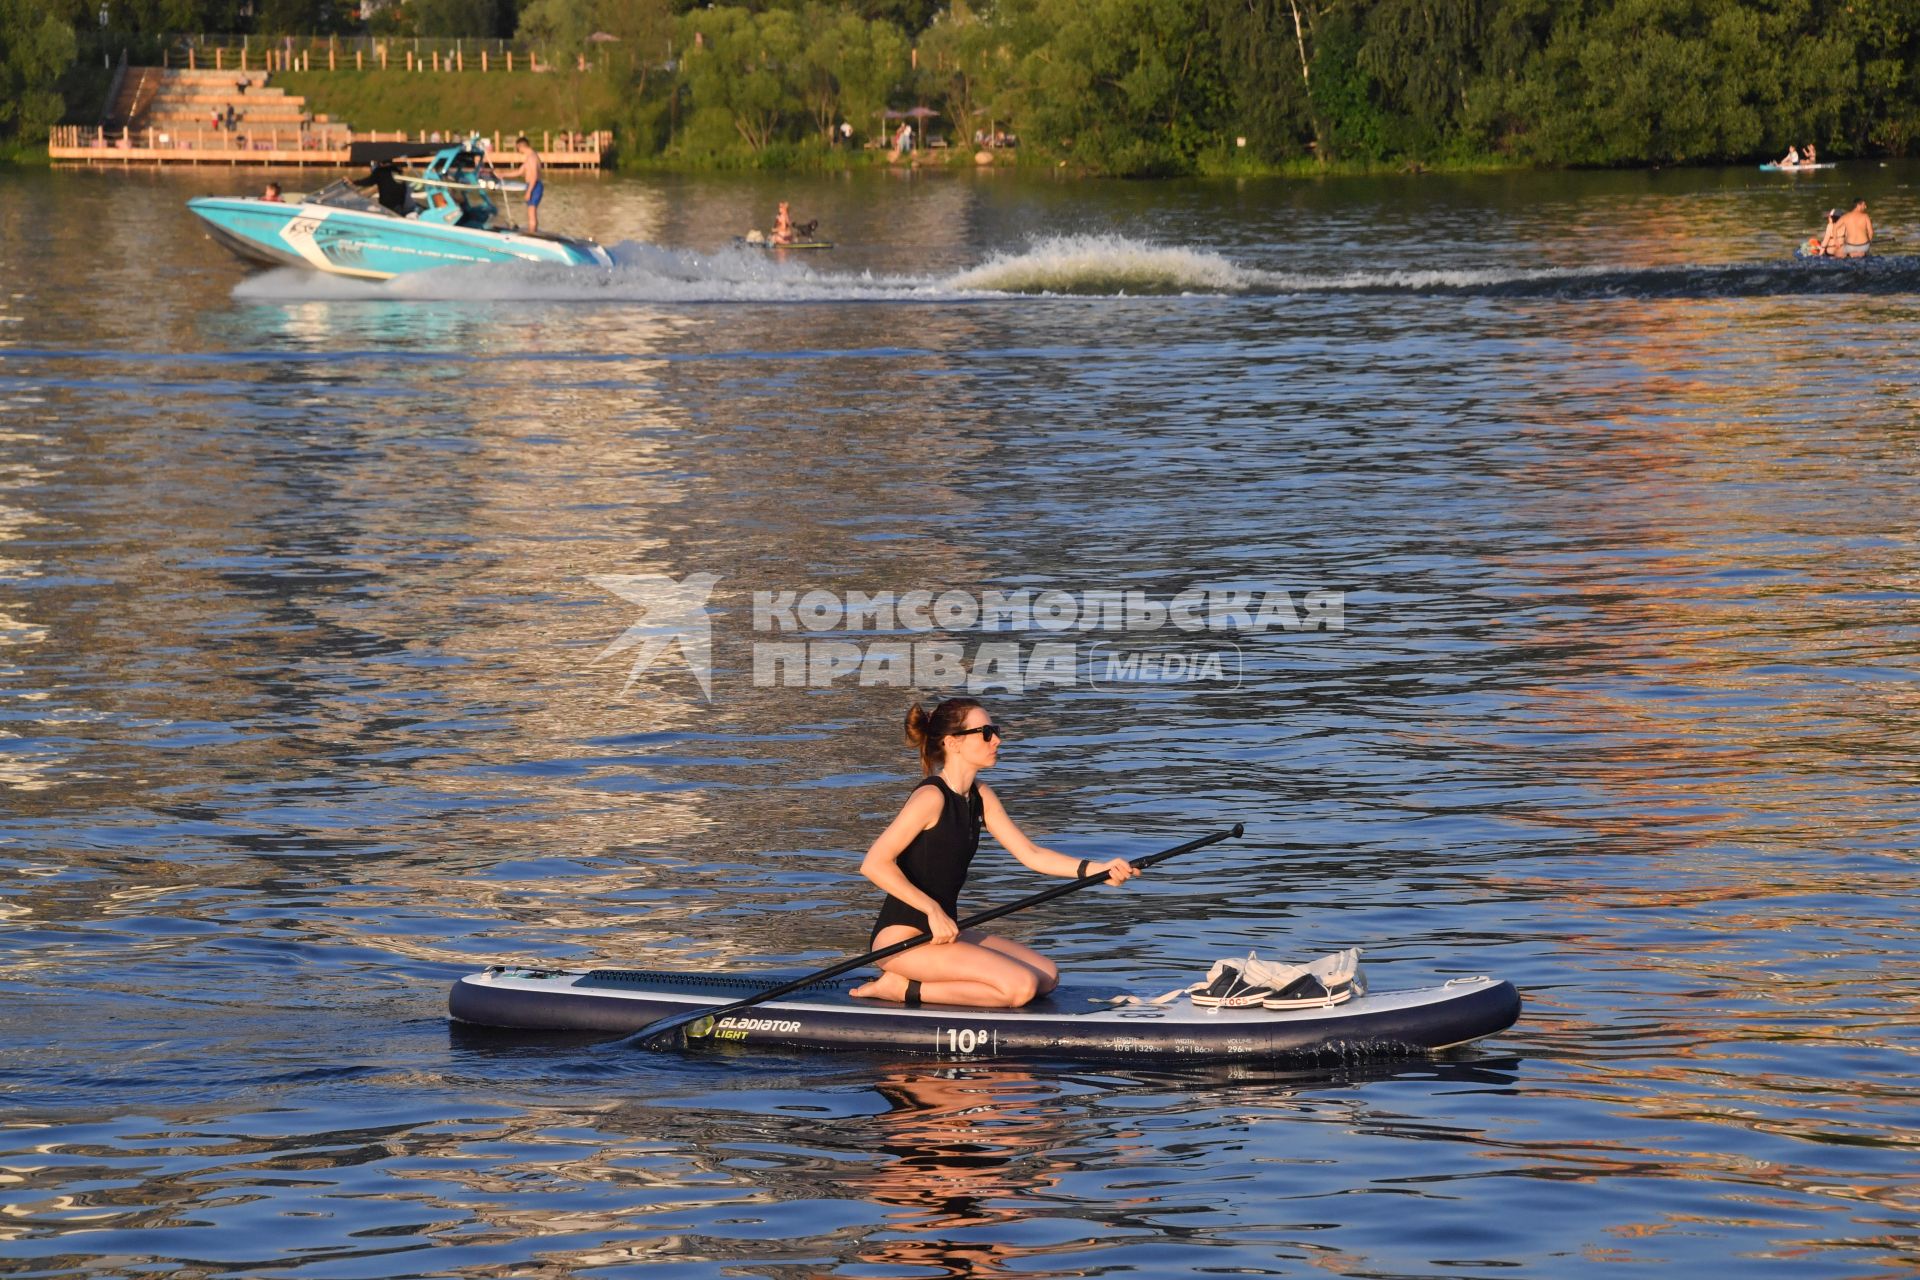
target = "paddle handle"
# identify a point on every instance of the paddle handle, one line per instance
(666, 1026)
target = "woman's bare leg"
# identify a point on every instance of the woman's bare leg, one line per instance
(1048, 973)
(961, 973)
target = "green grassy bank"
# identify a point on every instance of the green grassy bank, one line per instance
(458, 101)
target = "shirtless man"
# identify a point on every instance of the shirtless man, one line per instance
(1854, 232)
(529, 173)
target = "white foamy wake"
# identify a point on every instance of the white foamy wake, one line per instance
(1080, 266)
(1089, 266)
(1407, 280)
(1105, 266)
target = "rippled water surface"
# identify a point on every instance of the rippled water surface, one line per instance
(312, 701)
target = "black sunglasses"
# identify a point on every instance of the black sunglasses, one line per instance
(987, 732)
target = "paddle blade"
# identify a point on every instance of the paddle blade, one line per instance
(672, 1033)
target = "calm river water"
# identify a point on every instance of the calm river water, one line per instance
(313, 700)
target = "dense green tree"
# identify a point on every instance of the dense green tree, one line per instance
(847, 67)
(744, 67)
(450, 18)
(37, 45)
(560, 27)
(968, 63)
(1129, 86)
(304, 17)
(1266, 72)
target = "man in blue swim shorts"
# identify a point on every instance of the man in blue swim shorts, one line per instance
(530, 174)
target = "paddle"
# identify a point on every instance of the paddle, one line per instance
(651, 1035)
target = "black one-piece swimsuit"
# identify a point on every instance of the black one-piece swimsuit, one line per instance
(936, 862)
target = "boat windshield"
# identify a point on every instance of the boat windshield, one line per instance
(342, 194)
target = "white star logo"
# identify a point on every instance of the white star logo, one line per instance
(670, 612)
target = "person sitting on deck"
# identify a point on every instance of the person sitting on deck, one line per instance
(1808, 157)
(783, 225)
(1791, 160)
(921, 862)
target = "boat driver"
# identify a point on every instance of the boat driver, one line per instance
(392, 191)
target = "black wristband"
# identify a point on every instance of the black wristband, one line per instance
(1082, 873)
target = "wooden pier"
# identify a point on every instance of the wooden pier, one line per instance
(232, 115)
(318, 145)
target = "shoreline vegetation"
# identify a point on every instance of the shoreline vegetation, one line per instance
(1124, 88)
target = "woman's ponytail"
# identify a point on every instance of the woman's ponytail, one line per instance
(927, 730)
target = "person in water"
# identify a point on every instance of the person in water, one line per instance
(1854, 231)
(921, 862)
(1816, 246)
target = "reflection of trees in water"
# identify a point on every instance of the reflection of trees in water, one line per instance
(787, 1169)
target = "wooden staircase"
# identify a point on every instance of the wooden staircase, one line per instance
(174, 100)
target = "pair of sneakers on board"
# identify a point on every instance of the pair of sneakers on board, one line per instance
(1253, 982)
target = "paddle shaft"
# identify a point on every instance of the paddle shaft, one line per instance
(666, 1026)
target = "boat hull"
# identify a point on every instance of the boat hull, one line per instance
(373, 246)
(1067, 1024)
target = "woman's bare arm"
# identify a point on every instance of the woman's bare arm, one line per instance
(1048, 862)
(882, 863)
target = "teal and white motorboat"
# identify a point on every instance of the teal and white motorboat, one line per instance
(450, 213)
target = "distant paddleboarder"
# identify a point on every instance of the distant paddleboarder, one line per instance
(921, 861)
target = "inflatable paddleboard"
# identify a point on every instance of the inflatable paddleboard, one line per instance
(1074, 1021)
(1797, 168)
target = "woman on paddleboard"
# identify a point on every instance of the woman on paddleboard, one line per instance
(921, 862)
